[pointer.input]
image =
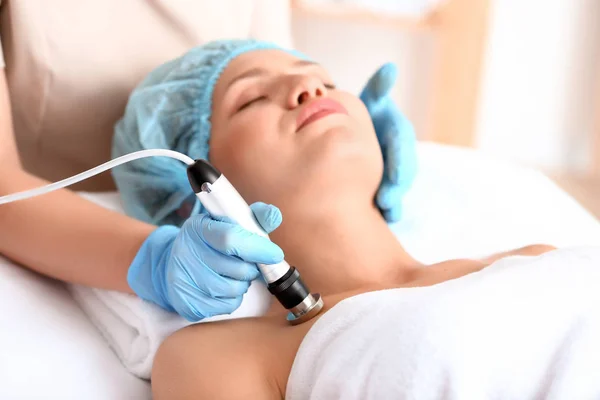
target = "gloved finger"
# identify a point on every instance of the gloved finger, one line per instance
(380, 83)
(400, 153)
(234, 268)
(393, 214)
(223, 219)
(404, 128)
(389, 201)
(252, 248)
(225, 305)
(199, 308)
(233, 240)
(268, 216)
(191, 314)
(210, 283)
(227, 288)
(388, 195)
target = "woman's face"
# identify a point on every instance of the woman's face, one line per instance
(282, 133)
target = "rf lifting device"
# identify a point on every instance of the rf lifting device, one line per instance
(220, 199)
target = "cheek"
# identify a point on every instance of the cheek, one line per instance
(368, 130)
(245, 150)
(371, 164)
(360, 114)
(362, 118)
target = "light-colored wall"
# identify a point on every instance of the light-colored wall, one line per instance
(537, 99)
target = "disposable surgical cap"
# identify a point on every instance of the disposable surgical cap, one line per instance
(171, 109)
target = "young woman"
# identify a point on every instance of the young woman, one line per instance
(283, 134)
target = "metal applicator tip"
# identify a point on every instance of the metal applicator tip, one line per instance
(309, 308)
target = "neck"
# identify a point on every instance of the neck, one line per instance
(343, 250)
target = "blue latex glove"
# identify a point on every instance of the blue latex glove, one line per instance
(397, 139)
(205, 267)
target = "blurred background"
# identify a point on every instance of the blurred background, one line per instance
(518, 79)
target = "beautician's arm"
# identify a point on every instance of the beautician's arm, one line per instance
(60, 234)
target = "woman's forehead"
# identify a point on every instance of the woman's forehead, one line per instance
(267, 59)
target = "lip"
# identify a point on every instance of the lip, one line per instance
(318, 109)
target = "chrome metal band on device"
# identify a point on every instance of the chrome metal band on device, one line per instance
(307, 309)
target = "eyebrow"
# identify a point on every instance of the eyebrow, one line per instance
(254, 72)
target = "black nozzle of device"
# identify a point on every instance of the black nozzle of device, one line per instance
(201, 171)
(289, 289)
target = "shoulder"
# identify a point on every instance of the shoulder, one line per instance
(217, 360)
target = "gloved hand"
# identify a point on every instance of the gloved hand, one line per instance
(397, 139)
(205, 267)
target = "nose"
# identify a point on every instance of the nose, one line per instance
(305, 88)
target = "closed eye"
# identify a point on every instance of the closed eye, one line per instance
(329, 86)
(248, 103)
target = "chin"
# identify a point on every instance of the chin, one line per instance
(343, 142)
(332, 143)
(343, 156)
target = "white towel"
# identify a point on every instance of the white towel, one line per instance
(134, 328)
(524, 328)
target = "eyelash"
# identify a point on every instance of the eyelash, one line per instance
(250, 102)
(329, 86)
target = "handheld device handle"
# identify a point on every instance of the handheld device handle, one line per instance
(222, 200)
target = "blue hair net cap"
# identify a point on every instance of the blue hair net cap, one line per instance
(171, 109)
